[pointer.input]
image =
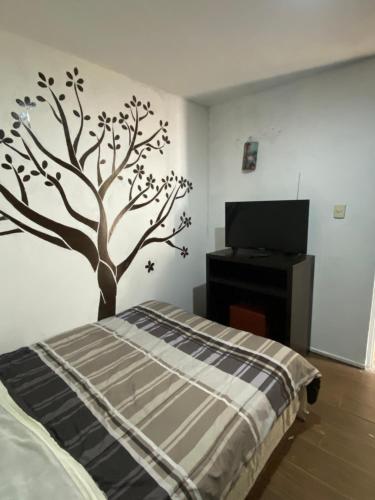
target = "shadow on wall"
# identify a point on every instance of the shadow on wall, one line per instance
(219, 238)
(199, 292)
(244, 89)
(187, 269)
(199, 300)
(196, 158)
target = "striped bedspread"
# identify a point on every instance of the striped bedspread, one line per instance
(156, 403)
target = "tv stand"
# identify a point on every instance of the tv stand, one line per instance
(281, 285)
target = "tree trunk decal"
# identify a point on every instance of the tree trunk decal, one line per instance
(27, 159)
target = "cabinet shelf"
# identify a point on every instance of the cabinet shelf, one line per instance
(252, 287)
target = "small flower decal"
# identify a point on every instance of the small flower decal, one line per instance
(122, 120)
(184, 252)
(182, 182)
(150, 266)
(167, 182)
(8, 165)
(147, 108)
(26, 103)
(150, 181)
(72, 79)
(185, 220)
(166, 139)
(23, 117)
(139, 170)
(104, 121)
(4, 139)
(45, 82)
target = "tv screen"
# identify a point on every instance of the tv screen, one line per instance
(271, 225)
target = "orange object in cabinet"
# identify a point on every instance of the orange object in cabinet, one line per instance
(250, 319)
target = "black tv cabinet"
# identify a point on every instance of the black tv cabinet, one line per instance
(280, 284)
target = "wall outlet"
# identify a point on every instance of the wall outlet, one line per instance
(339, 211)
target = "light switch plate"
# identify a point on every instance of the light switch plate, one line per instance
(339, 211)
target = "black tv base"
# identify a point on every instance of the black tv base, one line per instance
(280, 284)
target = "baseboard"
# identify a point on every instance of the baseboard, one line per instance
(338, 358)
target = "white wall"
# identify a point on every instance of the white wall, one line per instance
(45, 289)
(324, 127)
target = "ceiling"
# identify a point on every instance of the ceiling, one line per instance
(206, 50)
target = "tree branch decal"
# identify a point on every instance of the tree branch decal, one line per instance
(27, 160)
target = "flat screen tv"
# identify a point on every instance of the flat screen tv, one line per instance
(271, 225)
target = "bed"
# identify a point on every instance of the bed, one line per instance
(153, 403)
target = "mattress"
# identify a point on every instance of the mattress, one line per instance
(152, 403)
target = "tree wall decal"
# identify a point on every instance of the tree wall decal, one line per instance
(28, 160)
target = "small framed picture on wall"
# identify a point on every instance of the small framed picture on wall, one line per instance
(250, 156)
